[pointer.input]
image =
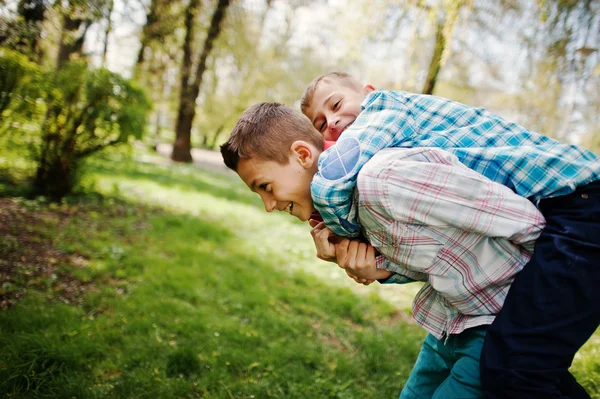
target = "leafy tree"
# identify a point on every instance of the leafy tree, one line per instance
(158, 31)
(157, 59)
(562, 68)
(108, 29)
(254, 59)
(445, 16)
(85, 112)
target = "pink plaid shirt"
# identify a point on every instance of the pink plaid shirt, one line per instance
(437, 221)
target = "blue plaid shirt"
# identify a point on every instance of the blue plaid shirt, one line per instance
(532, 165)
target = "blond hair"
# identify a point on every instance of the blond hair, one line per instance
(342, 77)
(267, 131)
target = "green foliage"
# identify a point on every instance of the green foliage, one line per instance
(17, 81)
(19, 35)
(91, 108)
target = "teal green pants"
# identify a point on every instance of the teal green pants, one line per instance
(447, 370)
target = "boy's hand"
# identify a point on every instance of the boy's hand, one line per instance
(358, 280)
(358, 259)
(323, 238)
(325, 243)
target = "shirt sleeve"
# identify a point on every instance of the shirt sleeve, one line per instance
(427, 187)
(399, 276)
(384, 122)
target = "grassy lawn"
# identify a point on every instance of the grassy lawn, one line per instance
(174, 283)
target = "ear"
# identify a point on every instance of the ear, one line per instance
(304, 153)
(368, 88)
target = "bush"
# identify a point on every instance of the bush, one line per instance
(79, 112)
(86, 111)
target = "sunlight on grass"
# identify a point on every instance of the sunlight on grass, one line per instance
(277, 235)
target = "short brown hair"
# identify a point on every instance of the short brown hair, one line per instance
(267, 131)
(309, 92)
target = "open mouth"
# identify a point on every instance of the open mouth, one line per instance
(289, 208)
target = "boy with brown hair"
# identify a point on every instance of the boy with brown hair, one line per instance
(532, 342)
(431, 218)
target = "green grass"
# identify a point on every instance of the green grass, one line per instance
(200, 293)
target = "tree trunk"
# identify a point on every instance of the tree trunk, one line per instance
(54, 179)
(187, 103)
(436, 59)
(107, 31)
(69, 45)
(212, 144)
(189, 90)
(151, 20)
(54, 174)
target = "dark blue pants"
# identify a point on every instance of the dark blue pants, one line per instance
(552, 307)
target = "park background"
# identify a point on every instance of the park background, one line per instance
(134, 265)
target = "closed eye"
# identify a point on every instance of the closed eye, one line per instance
(264, 187)
(322, 126)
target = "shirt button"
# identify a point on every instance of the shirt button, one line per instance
(584, 196)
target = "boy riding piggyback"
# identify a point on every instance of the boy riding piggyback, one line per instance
(553, 306)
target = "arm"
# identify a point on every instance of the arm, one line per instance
(326, 243)
(384, 122)
(360, 260)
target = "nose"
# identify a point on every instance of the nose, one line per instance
(334, 127)
(269, 202)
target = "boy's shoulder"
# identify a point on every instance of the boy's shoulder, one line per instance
(379, 100)
(400, 157)
(385, 97)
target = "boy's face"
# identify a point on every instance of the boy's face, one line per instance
(335, 106)
(283, 187)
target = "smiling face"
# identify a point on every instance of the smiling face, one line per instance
(334, 106)
(283, 187)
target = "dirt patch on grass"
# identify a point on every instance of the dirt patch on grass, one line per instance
(29, 258)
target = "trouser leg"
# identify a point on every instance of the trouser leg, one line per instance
(431, 368)
(552, 307)
(464, 380)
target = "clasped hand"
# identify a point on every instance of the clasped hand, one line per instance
(355, 257)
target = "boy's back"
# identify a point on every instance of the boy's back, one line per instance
(437, 221)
